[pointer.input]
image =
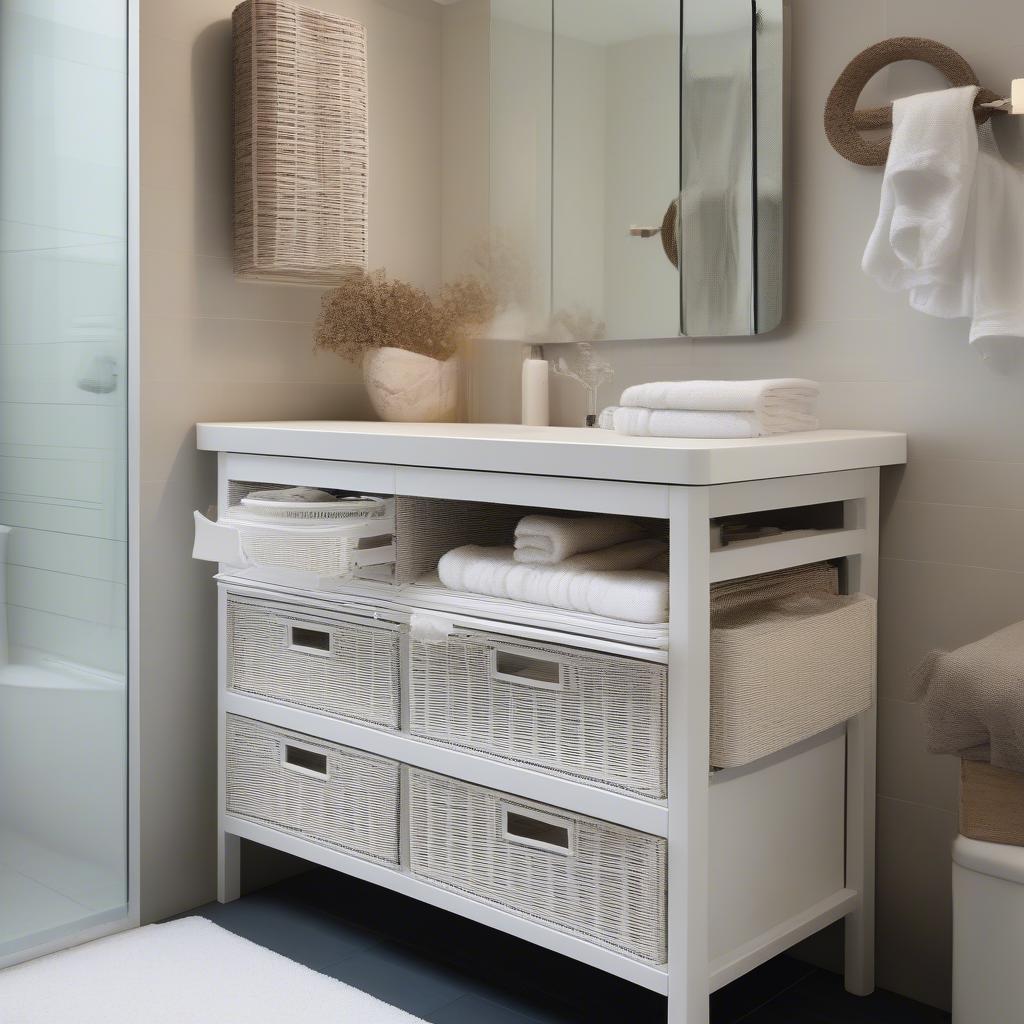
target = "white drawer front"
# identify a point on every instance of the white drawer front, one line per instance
(601, 881)
(592, 716)
(339, 667)
(328, 794)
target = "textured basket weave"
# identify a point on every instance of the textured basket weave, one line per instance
(607, 886)
(786, 669)
(338, 667)
(301, 143)
(592, 716)
(352, 806)
(991, 803)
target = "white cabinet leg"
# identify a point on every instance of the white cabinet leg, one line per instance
(860, 770)
(229, 859)
(689, 696)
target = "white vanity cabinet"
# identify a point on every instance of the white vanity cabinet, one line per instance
(686, 877)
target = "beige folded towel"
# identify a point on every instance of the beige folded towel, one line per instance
(973, 699)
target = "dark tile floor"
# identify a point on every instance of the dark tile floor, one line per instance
(451, 971)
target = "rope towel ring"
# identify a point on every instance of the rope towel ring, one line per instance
(844, 123)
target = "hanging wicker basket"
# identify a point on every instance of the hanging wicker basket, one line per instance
(301, 143)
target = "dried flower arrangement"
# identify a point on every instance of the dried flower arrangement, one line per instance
(586, 367)
(369, 311)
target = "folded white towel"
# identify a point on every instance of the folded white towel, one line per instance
(637, 595)
(545, 540)
(926, 190)
(766, 397)
(679, 423)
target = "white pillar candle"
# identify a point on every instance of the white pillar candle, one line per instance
(535, 393)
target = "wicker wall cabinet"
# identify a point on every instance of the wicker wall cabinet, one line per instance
(301, 143)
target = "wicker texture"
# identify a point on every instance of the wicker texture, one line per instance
(609, 889)
(991, 803)
(600, 718)
(430, 527)
(786, 669)
(354, 807)
(301, 143)
(843, 123)
(356, 677)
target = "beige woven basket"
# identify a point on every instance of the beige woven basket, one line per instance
(790, 658)
(301, 143)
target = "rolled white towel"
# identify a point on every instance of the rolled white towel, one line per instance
(766, 397)
(636, 595)
(679, 423)
(544, 540)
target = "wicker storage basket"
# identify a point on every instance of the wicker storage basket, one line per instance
(337, 666)
(593, 716)
(602, 882)
(991, 803)
(789, 659)
(398, 540)
(333, 795)
(301, 143)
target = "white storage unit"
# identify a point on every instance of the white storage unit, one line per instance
(514, 810)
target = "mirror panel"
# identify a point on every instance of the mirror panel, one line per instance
(615, 117)
(636, 154)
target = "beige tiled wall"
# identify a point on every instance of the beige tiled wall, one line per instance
(952, 547)
(216, 348)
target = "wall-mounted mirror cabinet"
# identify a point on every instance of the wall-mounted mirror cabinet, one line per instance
(636, 166)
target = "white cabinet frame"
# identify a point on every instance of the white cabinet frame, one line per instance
(690, 974)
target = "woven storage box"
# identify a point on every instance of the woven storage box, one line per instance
(399, 541)
(340, 667)
(991, 803)
(789, 659)
(592, 716)
(301, 143)
(333, 795)
(600, 881)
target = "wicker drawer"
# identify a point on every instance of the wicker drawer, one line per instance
(316, 660)
(591, 716)
(333, 795)
(600, 881)
(786, 669)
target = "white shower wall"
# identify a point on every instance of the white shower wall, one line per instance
(62, 306)
(63, 470)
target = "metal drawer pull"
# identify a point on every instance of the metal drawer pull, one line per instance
(537, 830)
(512, 666)
(310, 640)
(305, 760)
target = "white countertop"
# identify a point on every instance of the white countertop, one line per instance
(561, 451)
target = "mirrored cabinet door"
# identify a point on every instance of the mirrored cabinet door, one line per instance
(615, 172)
(636, 152)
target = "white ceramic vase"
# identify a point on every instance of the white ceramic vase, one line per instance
(405, 387)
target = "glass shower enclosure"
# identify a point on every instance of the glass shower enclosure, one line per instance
(64, 479)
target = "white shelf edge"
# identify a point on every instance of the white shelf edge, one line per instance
(619, 808)
(730, 563)
(399, 880)
(738, 962)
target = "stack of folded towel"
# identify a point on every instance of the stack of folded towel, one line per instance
(601, 565)
(715, 408)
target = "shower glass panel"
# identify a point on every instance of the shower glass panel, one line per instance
(63, 469)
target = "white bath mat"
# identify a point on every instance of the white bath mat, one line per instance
(185, 972)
